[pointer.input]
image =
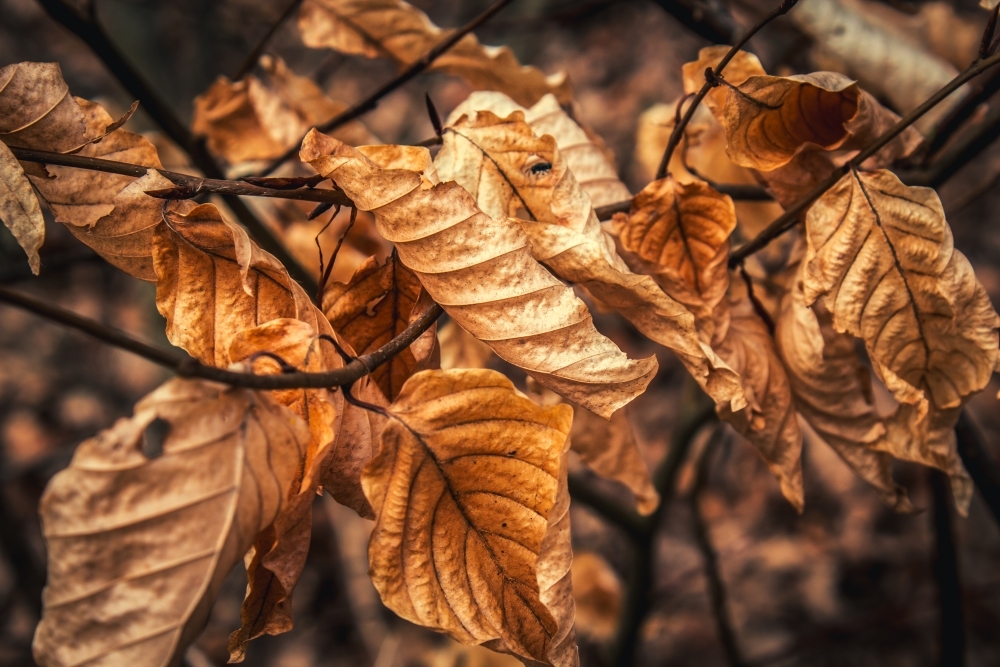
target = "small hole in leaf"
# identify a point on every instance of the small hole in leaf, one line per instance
(540, 168)
(154, 436)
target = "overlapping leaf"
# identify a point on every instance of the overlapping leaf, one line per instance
(471, 536)
(139, 547)
(398, 31)
(19, 208)
(480, 269)
(259, 118)
(743, 66)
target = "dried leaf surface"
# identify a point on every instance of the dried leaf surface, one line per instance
(679, 233)
(37, 110)
(508, 169)
(398, 31)
(259, 118)
(460, 349)
(373, 308)
(480, 269)
(19, 208)
(833, 392)
(743, 66)
(139, 547)
(469, 535)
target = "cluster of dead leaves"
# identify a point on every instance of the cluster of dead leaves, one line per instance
(465, 476)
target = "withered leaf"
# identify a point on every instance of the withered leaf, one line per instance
(139, 547)
(882, 257)
(508, 169)
(19, 208)
(460, 349)
(743, 66)
(679, 234)
(480, 269)
(833, 392)
(373, 308)
(260, 118)
(398, 31)
(465, 491)
(37, 110)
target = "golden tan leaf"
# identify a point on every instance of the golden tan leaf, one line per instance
(139, 547)
(771, 424)
(481, 271)
(37, 111)
(398, 31)
(881, 254)
(465, 490)
(743, 66)
(680, 235)
(770, 119)
(375, 307)
(460, 349)
(19, 208)
(214, 282)
(260, 118)
(508, 169)
(597, 591)
(833, 392)
(584, 151)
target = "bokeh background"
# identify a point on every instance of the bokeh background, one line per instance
(848, 582)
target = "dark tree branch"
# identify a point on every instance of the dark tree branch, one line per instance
(960, 113)
(981, 465)
(791, 215)
(90, 31)
(711, 80)
(608, 508)
(969, 145)
(413, 70)
(716, 586)
(189, 186)
(708, 19)
(945, 566)
(186, 366)
(254, 55)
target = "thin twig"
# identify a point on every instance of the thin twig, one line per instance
(712, 81)
(254, 55)
(716, 586)
(186, 366)
(982, 467)
(958, 114)
(413, 70)
(708, 19)
(89, 30)
(188, 186)
(969, 145)
(609, 509)
(945, 566)
(791, 216)
(736, 191)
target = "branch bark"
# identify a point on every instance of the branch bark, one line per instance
(945, 566)
(981, 465)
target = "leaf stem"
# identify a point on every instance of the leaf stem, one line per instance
(711, 80)
(791, 216)
(186, 366)
(413, 70)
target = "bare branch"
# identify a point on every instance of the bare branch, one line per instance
(413, 70)
(186, 366)
(945, 567)
(254, 55)
(981, 465)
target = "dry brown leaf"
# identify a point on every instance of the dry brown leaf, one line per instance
(771, 424)
(508, 169)
(584, 151)
(375, 307)
(469, 474)
(139, 547)
(398, 31)
(833, 392)
(743, 66)
(37, 111)
(259, 118)
(214, 282)
(679, 233)
(597, 591)
(481, 271)
(770, 119)
(19, 208)
(882, 256)
(460, 349)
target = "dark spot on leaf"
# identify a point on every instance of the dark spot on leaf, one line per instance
(503, 525)
(512, 452)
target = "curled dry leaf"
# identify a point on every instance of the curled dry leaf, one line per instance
(508, 169)
(679, 233)
(139, 547)
(833, 392)
(881, 255)
(770, 119)
(398, 31)
(259, 118)
(19, 208)
(480, 269)
(469, 474)
(373, 308)
(743, 66)
(37, 111)
(585, 153)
